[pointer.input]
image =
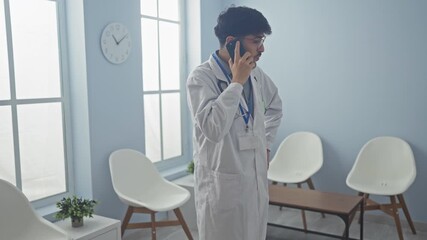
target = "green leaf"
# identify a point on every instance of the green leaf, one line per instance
(75, 207)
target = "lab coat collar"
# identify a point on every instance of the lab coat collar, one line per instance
(220, 76)
(217, 69)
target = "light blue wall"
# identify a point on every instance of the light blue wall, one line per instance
(209, 13)
(107, 99)
(347, 70)
(351, 71)
(115, 94)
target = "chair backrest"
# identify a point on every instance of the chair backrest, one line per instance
(18, 220)
(385, 165)
(132, 173)
(299, 152)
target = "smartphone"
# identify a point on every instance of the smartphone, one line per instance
(232, 45)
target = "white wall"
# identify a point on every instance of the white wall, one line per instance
(351, 71)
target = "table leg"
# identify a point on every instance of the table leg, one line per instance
(347, 229)
(346, 220)
(362, 204)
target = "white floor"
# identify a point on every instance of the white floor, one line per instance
(377, 227)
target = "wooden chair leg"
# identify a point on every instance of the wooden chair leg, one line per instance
(396, 216)
(183, 223)
(126, 219)
(405, 210)
(304, 221)
(311, 186)
(280, 208)
(153, 225)
(365, 198)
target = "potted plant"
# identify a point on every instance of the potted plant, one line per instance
(190, 167)
(75, 208)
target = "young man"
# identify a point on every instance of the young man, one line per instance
(236, 111)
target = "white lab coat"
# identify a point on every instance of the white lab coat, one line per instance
(231, 187)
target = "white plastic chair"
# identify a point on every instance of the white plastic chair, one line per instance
(384, 166)
(19, 221)
(139, 185)
(299, 156)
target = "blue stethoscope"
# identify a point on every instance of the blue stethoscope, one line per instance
(245, 114)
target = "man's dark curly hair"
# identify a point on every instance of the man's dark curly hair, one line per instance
(239, 22)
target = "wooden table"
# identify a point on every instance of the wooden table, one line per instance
(341, 205)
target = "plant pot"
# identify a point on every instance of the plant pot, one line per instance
(76, 222)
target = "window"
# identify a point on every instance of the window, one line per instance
(162, 72)
(32, 103)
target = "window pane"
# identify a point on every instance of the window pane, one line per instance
(149, 7)
(152, 127)
(171, 114)
(169, 56)
(150, 58)
(169, 9)
(7, 158)
(4, 65)
(41, 149)
(35, 46)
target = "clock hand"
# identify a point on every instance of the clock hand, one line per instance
(122, 39)
(115, 40)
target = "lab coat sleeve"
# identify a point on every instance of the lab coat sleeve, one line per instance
(212, 112)
(273, 109)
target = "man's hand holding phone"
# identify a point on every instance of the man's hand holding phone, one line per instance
(241, 66)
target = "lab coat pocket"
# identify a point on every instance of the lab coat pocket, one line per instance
(225, 190)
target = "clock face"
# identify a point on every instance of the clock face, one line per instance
(116, 43)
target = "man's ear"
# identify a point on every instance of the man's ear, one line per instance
(229, 39)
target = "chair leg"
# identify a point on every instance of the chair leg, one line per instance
(280, 208)
(126, 219)
(311, 186)
(405, 210)
(153, 225)
(304, 221)
(365, 198)
(396, 216)
(183, 223)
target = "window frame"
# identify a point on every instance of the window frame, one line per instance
(169, 164)
(63, 100)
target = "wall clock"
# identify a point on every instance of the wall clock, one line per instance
(116, 43)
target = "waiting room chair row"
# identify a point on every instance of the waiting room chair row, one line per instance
(385, 166)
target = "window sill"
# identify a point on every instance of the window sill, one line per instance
(175, 172)
(48, 212)
(185, 181)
